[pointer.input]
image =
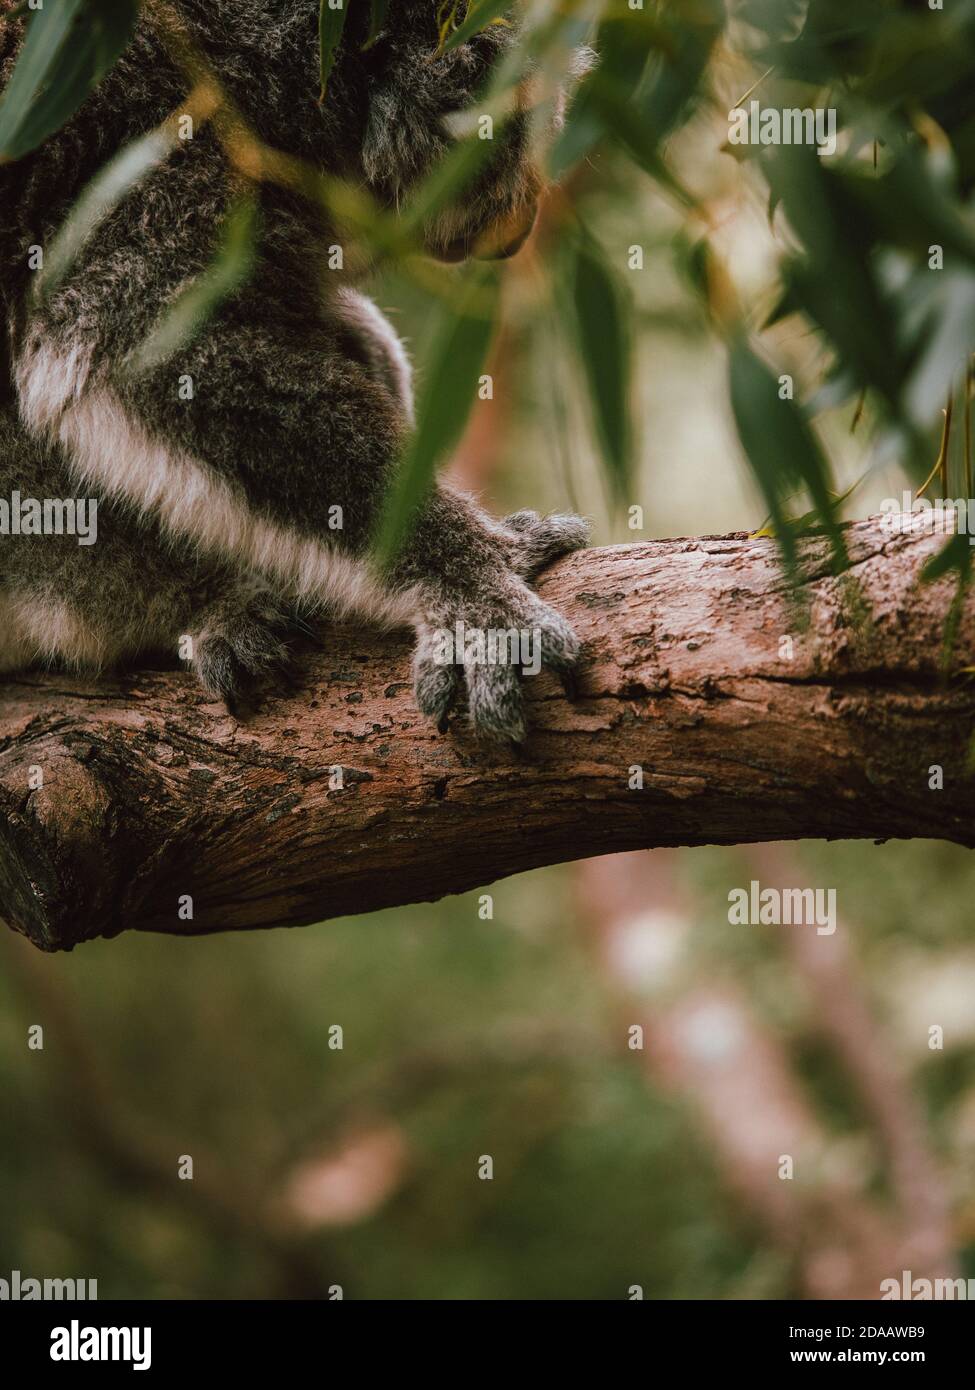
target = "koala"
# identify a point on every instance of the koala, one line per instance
(215, 511)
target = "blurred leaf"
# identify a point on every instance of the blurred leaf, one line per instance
(446, 182)
(956, 554)
(837, 39)
(448, 390)
(195, 304)
(377, 18)
(949, 342)
(778, 20)
(623, 44)
(638, 138)
(592, 300)
(634, 93)
(69, 47)
(99, 198)
(480, 13)
(331, 23)
(695, 26)
(808, 521)
(954, 557)
(781, 449)
(834, 283)
(906, 206)
(784, 307)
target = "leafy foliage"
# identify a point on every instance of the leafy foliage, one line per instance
(455, 363)
(331, 23)
(596, 309)
(70, 46)
(875, 237)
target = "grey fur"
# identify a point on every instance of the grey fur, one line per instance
(302, 402)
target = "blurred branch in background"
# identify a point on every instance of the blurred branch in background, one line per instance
(828, 968)
(332, 1164)
(704, 1040)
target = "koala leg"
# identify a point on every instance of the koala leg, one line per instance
(279, 464)
(132, 592)
(101, 615)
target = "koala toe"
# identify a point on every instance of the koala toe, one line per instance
(559, 646)
(534, 637)
(496, 702)
(540, 540)
(436, 683)
(219, 671)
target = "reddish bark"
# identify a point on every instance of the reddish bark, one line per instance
(746, 726)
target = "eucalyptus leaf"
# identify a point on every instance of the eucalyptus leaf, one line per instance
(378, 10)
(480, 13)
(780, 448)
(956, 554)
(449, 386)
(113, 182)
(331, 24)
(199, 300)
(695, 27)
(69, 47)
(599, 322)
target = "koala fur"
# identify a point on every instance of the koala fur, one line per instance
(214, 511)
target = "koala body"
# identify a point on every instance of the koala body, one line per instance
(217, 508)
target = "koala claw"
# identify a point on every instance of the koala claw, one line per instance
(570, 683)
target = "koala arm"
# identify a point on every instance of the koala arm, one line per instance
(270, 441)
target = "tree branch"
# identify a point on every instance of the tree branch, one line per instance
(747, 727)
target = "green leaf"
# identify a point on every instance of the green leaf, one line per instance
(69, 47)
(637, 136)
(480, 13)
(624, 44)
(195, 304)
(808, 521)
(331, 23)
(445, 183)
(947, 345)
(378, 10)
(835, 283)
(695, 28)
(98, 199)
(781, 449)
(450, 378)
(955, 555)
(593, 301)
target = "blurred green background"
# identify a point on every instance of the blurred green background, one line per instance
(462, 1037)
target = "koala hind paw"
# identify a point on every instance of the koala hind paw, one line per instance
(239, 642)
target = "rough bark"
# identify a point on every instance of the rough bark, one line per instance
(748, 726)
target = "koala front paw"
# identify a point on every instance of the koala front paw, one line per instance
(488, 651)
(536, 541)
